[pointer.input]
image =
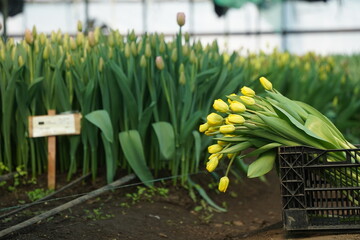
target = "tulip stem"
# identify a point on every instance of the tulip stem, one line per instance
(230, 163)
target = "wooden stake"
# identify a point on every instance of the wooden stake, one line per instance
(51, 158)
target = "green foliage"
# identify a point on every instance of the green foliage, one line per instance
(114, 82)
(146, 194)
(97, 214)
(38, 194)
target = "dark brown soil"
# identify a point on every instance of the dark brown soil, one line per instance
(254, 212)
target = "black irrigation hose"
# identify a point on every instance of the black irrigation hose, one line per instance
(46, 197)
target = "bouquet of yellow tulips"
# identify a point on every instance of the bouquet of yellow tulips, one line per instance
(263, 123)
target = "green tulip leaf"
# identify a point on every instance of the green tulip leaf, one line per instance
(132, 147)
(101, 119)
(166, 138)
(262, 165)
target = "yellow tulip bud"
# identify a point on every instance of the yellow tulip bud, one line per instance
(143, 61)
(215, 148)
(181, 68)
(42, 38)
(148, 50)
(97, 35)
(111, 40)
(34, 32)
(247, 100)
(236, 119)
(229, 100)
(230, 155)
(80, 38)
(13, 53)
(237, 107)
(72, 43)
(79, 26)
(220, 106)
(3, 54)
(227, 122)
(132, 35)
(46, 52)
(204, 127)
(36, 46)
(226, 58)
(110, 52)
(162, 47)
(213, 129)
(192, 58)
(20, 61)
(10, 43)
(214, 119)
(266, 83)
(91, 39)
(182, 79)
(223, 184)
(246, 91)
(174, 55)
(28, 36)
(133, 48)
(101, 64)
(222, 143)
(153, 40)
(225, 129)
(180, 18)
(127, 50)
(212, 163)
(159, 63)
(58, 36)
(187, 37)
(185, 50)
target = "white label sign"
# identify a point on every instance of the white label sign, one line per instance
(48, 125)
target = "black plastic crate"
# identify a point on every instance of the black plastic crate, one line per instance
(318, 193)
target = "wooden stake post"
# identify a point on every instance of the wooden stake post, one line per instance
(50, 126)
(51, 158)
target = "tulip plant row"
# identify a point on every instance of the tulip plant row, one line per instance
(142, 99)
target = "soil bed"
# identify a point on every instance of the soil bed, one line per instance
(254, 212)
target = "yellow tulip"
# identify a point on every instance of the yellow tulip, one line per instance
(230, 155)
(214, 119)
(266, 83)
(236, 119)
(148, 50)
(91, 39)
(79, 26)
(227, 129)
(246, 91)
(159, 62)
(223, 184)
(232, 95)
(133, 48)
(174, 55)
(180, 18)
(28, 36)
(220, 106)
(203, 127)
(182, 78)
(247, 100)
(227, 122)
(237, 107)
(215, 148)
(222, 143)
(142, 61)
(212, 163)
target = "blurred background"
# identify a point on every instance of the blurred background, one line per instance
(323, 26)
